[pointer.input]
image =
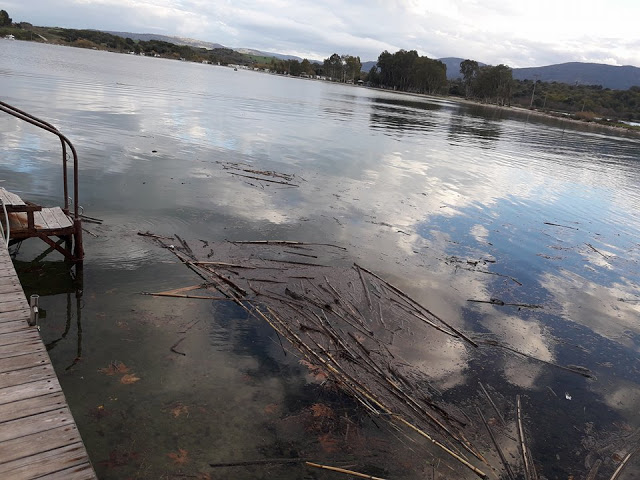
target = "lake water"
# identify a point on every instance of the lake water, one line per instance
(450, 202)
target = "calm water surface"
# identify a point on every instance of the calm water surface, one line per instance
(425, 192)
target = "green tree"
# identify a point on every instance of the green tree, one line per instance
(5, 19)
(428, 75)
(306, 67)
(469, 70)
(333, 67)
(353, 66)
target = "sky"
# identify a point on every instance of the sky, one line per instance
(518, 33)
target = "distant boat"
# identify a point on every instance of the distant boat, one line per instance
(10, 37)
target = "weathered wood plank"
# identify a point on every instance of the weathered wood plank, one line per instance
(7, 307)
(12, 297)
(26, 375)
(15, 315)
(10, 280)
(61, 218)
(38, 436)
(27, 360)
(10, 198)
(45, 463)
(38, 442)
(10, 338)
(15, 350)
(35, 424)
(31, 406)
(49, 220)
(9, 326)
(29, 390)
(80, 472)
(9, 287)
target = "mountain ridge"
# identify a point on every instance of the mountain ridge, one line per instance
(579, 73)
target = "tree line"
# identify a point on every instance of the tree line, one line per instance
(409, 72)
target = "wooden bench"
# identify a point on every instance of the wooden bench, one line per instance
(30, 220)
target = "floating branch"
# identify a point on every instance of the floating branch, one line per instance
(596, 250)
(264, 179)
(492, 404)
(497, 301)
(507, 467)
(272, 461)
(585, 372)
(558, 225)
(529, 469)
(623, 464)
(342, 470)
(173, 347)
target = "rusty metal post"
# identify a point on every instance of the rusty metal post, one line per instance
(78, 252)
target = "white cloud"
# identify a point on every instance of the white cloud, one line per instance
(512, 32)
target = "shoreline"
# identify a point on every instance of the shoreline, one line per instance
(608, 129)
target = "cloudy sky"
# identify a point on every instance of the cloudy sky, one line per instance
(516, 32)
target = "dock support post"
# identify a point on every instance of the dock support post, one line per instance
(77, 233)
(34, 313)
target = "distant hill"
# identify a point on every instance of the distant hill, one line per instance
(609, 76)
(453, 66)
(366, 66)
(145, 37)
(259, 53)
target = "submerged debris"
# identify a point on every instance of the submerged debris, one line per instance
(343, 321)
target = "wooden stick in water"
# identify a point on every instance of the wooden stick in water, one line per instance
(413, 302)
(272, 461)
(493, 404)
(507, 467)
(523, 446)
(623, 464)
(342, 470)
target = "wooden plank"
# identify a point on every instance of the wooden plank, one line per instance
(52, 461)
(15, 315)
(10, 198)
(40, 221)
(17, 349)
(14, 326)
(29, 390)
(38, 436)
(31, 406)
(7, 270)
(80, 472)
(61, 218)
(26, 375)
(51, 222)
(7, 307)
(23, 361)
(10, 280)
(12, 297)
(35, 424)
(9, 287)
(33, 444)
(11, 338)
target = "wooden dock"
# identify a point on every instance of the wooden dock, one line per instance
(38, 436)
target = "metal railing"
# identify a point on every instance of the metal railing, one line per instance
(5, 235)
(65, 142)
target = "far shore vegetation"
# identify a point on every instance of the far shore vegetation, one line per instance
(403, 70)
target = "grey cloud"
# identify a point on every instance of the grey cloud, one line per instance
(319, 28)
